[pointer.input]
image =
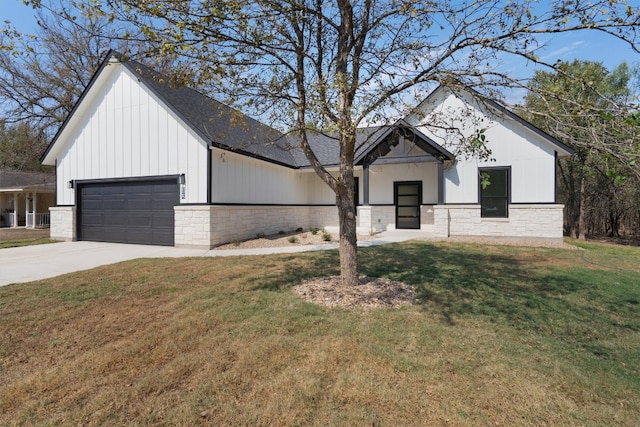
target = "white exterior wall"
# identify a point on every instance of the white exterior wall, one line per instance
(382, 177)
(317, 192)
(532, 159)
(122, 130)
(241, 179)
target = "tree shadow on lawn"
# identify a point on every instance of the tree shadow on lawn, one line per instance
(524, 288)
(458, 279)
(518, 285)
(467, 280)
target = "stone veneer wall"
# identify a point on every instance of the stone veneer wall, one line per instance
(542, 222)
(63, 223)
(324, 217)
(383, 218)
(374, 219)
(208, 226)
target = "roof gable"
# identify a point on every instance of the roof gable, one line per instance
(498, 109)
(226, 128)
(215, 123)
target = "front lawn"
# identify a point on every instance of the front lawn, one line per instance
(502, 336)
(14, 237)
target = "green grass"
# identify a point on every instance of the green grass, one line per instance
(14, 243)
(503, 336)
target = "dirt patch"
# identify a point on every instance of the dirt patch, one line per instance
(22, 233)
(372, 292)
(302, 238)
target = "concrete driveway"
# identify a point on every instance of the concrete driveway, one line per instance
(29, 263)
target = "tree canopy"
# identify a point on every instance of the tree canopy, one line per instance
(312, 65)
(586, 106)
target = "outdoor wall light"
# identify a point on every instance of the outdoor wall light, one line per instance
(182, 179)
(70, 184)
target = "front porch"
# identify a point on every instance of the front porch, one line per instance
(25, 198)
(21, 209)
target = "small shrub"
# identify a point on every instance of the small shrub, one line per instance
(281, 232)
(326, 236)
(293, 239)
(314, 230)
(260, 235)
(299, 230)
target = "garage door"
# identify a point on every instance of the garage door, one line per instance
(128, 211)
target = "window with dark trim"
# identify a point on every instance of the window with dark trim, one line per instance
(356, 193)
(494, 192)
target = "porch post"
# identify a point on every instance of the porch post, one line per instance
(440, 183)
(26, 209)
(35, 209)
(15, 210)
(365, 183)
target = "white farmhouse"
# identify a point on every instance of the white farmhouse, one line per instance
(141, 161)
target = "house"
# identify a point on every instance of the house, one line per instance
(25, 198)
(141, 161)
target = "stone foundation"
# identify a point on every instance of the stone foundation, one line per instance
(539, 222)
(374, 219)
(202, 226)
(210, 226)
(63, 223)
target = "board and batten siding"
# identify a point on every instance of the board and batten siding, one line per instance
(382, 177)
(244, 180)
(531, 158)
(125, 131)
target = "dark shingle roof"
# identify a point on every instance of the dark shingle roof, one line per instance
(24, 179)
(229, 129)
(222, 126)
(327, 147)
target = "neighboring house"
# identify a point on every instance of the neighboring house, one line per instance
(25, 198)
(140, 161)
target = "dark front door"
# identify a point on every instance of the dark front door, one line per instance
(408, 197)
(136, 211)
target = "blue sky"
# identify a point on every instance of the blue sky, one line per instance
(584, 45)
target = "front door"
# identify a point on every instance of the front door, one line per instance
(408, 197)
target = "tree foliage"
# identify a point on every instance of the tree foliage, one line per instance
(18, 143)
(586, 106)
(334, 65)
(42, 75)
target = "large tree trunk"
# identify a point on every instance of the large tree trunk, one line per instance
(346, 212)
(348, 240)
(582, 226)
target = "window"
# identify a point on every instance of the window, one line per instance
(494, 192)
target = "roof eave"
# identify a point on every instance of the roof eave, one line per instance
(444, 154)
(44, 159)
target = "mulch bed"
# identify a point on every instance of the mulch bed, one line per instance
(372, 292)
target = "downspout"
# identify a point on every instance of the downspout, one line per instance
(440, 182)
(209, 172)
(555, 177)
(365, 183)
